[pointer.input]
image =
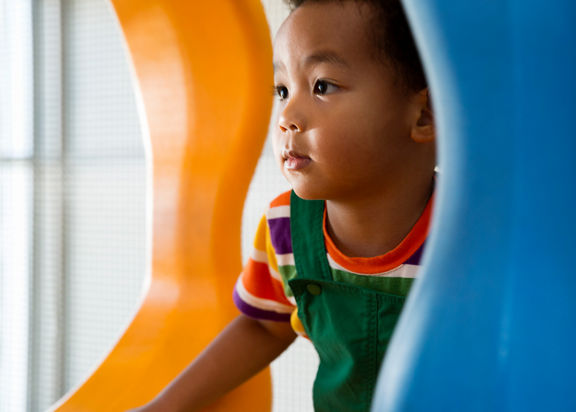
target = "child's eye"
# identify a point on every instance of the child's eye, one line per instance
(281, 92)
(322, 87)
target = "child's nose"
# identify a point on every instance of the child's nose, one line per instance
(291, 118)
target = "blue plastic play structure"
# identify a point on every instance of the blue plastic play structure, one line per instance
(491, 324)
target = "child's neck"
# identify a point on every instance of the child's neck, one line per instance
(376, 224)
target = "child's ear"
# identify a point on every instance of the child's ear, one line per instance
(423, 130)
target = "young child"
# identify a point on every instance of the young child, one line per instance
(337, 255)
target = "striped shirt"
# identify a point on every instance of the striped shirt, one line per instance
(262, 290)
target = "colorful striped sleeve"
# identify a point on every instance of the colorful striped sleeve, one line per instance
(259, 291)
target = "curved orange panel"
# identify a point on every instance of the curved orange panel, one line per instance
(204, 70)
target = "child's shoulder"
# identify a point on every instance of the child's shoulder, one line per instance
(281, 200)
(279, 207)
(277, 224)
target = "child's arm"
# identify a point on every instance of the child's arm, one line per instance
(244, 348)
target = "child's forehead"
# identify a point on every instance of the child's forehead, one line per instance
(326, 25)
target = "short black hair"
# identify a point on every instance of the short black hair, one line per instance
(392, 37)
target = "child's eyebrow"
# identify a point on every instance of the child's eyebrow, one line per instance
(315, 59)
(325, 57)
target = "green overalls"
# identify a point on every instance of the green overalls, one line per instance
(350, 326)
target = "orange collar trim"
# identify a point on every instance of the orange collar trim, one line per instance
(390, 260)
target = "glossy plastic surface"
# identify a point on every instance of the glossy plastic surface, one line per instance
(204, 72)
(490, 325)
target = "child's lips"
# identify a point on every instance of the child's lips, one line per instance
(294, 161)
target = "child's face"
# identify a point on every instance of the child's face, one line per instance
(344, 122)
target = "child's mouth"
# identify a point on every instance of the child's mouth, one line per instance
(294, 161)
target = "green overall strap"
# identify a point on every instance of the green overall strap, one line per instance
(350, 326)
(306, 228)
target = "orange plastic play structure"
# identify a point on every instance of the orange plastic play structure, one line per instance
(205, 75)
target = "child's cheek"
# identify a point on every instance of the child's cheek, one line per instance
(277, 149)
(276, 145)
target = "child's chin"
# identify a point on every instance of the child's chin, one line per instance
(307, 194)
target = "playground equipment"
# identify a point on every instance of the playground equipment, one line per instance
(204, 72)
(490, 326)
